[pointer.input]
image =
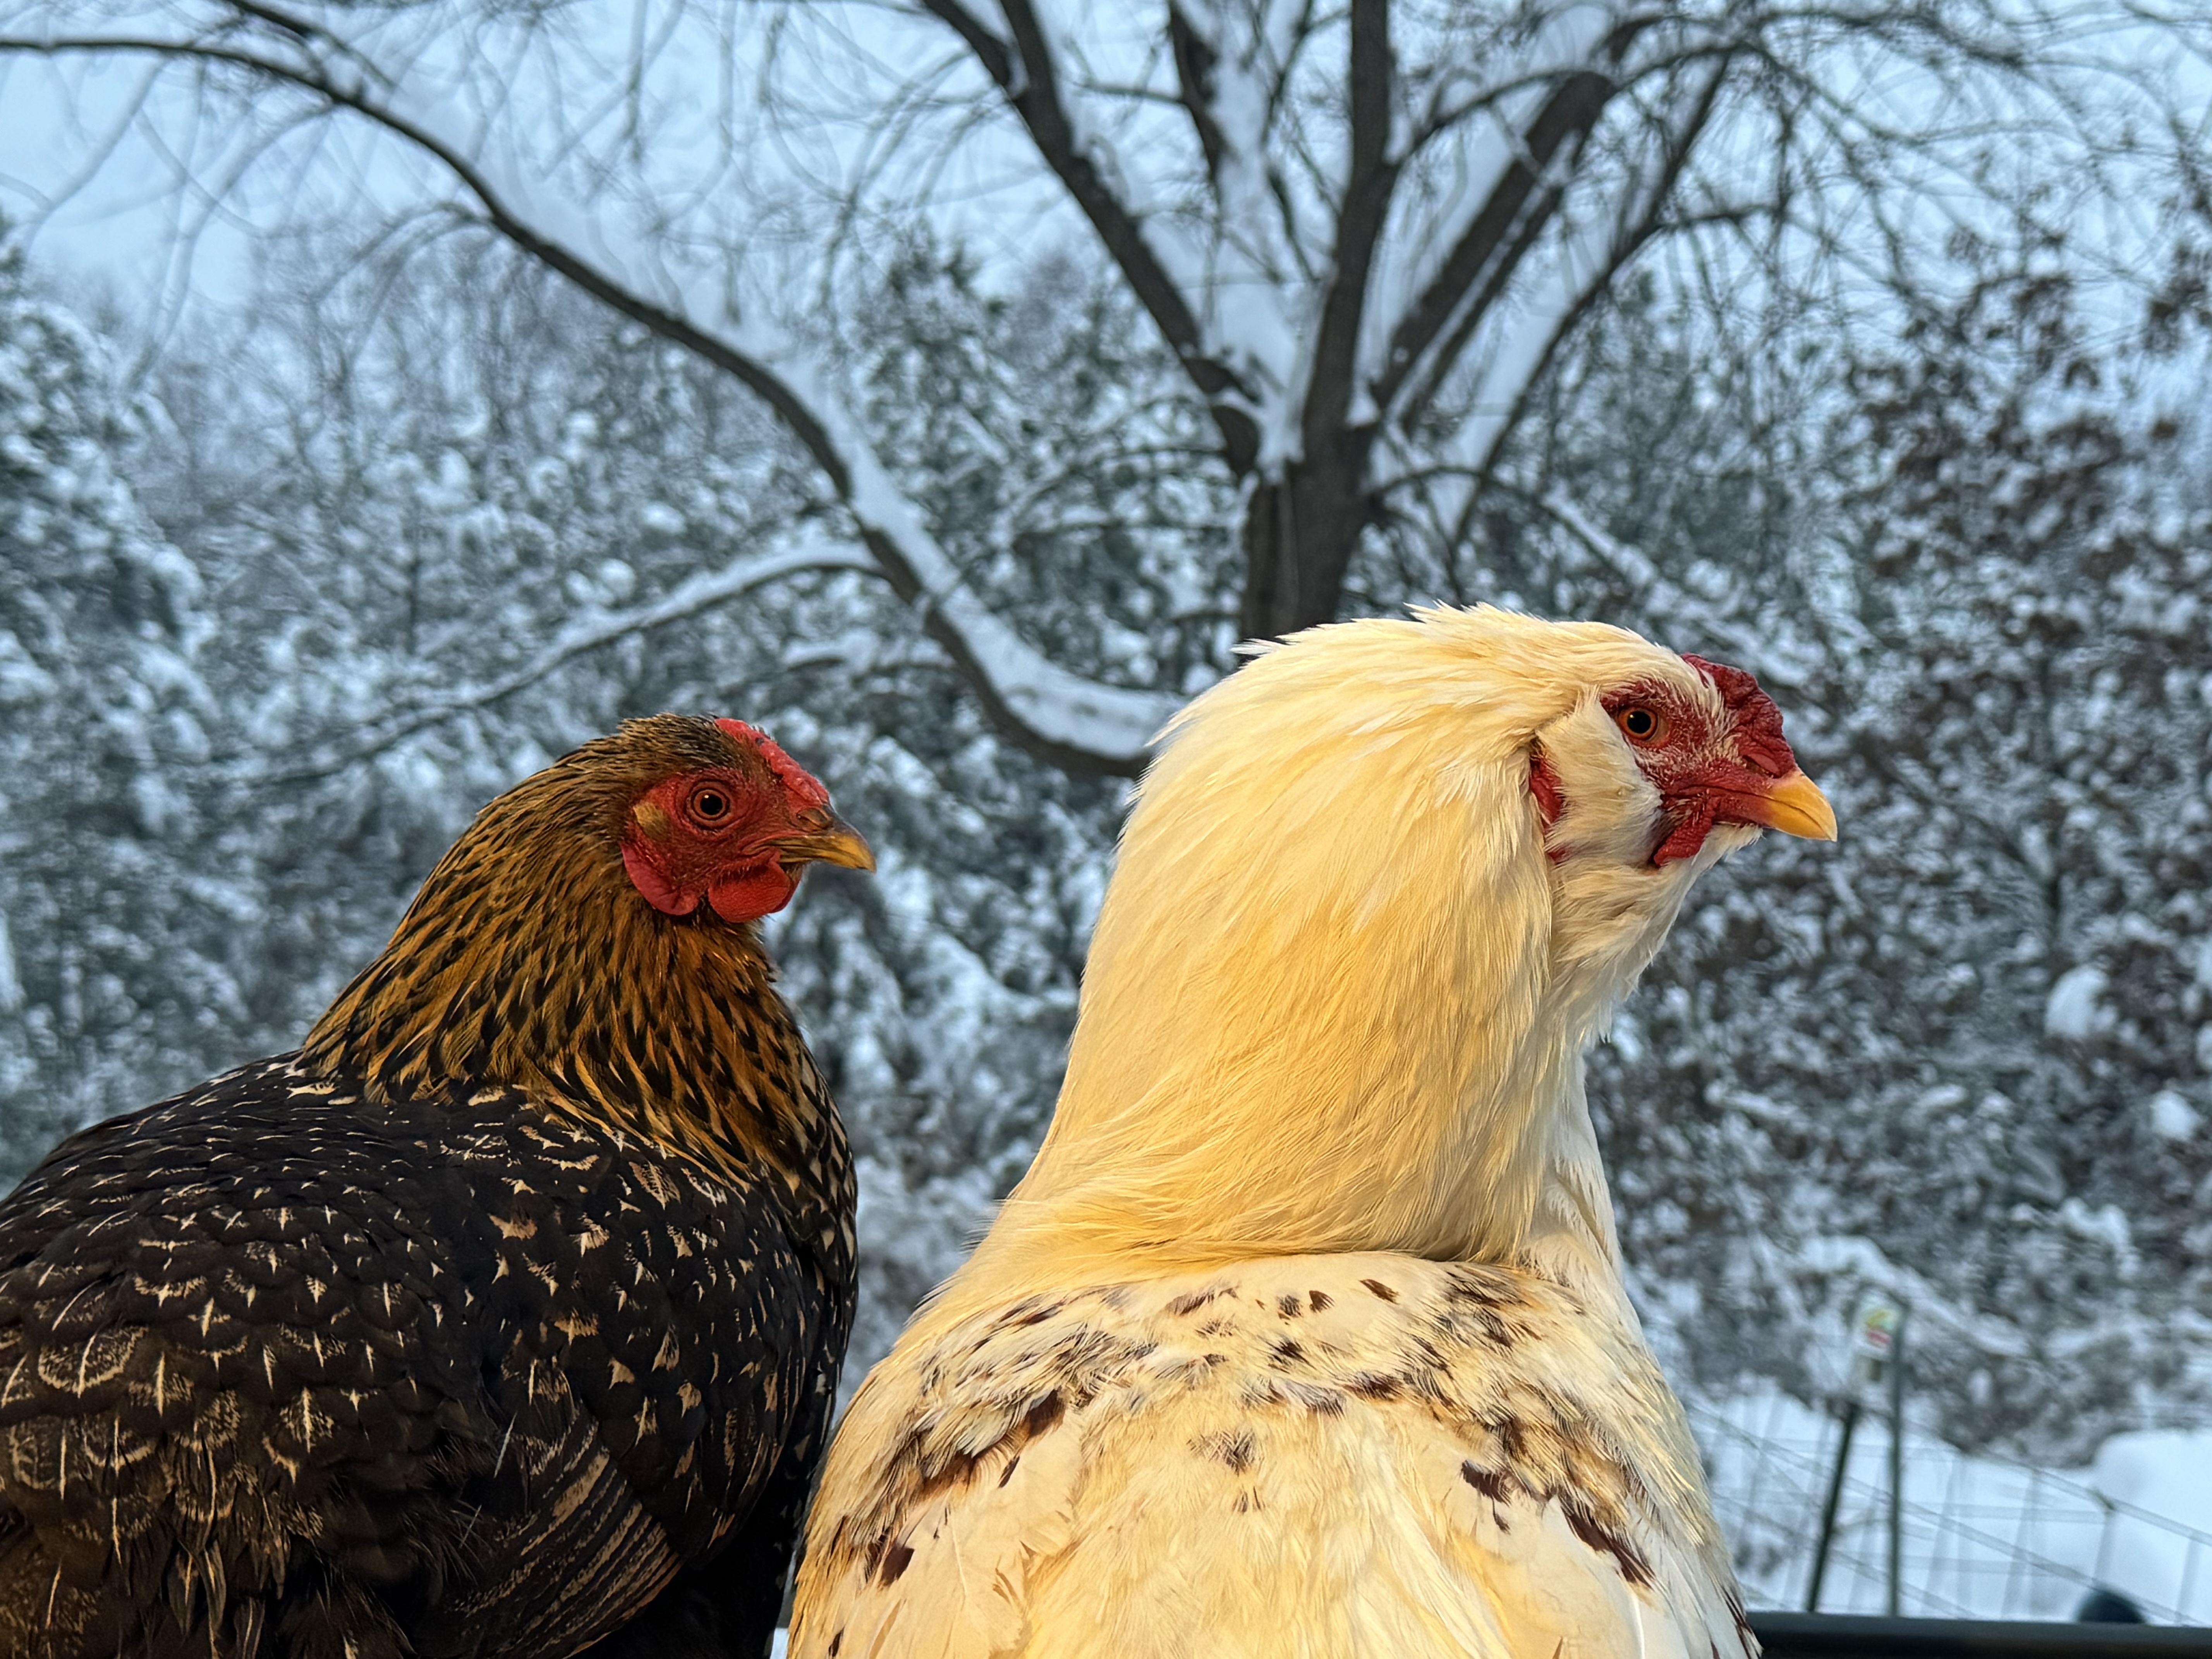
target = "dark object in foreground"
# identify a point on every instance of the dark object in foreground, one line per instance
(2107, 1606)
(1831, 1636)
(505, 1314)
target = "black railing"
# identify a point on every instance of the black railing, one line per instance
(1834, 1636)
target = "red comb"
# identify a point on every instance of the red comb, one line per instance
(801, 784)
(1758, 722)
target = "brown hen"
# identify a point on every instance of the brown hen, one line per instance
(504, 1317)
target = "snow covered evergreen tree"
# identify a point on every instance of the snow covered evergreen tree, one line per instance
(1955, 1059)
(116, 947)
(1957, 1056)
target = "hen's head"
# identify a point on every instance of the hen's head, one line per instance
(592, 930)
(1377, 889)
(1464, 822)
(1374, 752)
(1662, 761)
(714, 813)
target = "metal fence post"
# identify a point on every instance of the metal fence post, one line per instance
(1896, 1465)
(1828, 1509)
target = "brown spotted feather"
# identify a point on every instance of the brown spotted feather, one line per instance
(1479, 1406)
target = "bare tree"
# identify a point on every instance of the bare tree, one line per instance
(1363, 230)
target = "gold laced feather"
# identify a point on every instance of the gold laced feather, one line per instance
(529, 960)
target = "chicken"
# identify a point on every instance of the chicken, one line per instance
(505, 1312)
(1305, 1334)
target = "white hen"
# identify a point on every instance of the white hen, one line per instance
(1305, 1334)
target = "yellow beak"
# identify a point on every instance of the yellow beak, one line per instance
(1795, 807)
(839, 844)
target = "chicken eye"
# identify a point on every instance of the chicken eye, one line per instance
(1642, 725)
(709, 804)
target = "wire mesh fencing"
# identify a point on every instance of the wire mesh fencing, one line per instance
(1982, 1537)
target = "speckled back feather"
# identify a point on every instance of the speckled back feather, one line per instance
(1332, 1441)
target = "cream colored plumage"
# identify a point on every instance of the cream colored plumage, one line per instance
(1305, 1334)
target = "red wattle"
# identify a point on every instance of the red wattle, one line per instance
(1687, 839)
(752, 894)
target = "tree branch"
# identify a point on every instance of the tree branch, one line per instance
(1028, 77)
(1195, 58)
(688, 599)
(1483, 252)
(1639, 223)
(1369, 178)
(1637, 227)
(1077, 723)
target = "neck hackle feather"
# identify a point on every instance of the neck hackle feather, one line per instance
(529, 960)
(1337, 995)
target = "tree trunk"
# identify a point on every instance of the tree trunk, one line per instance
(1301, 530)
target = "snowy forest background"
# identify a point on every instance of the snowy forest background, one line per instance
(1885, 379)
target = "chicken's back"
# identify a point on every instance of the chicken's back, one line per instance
(1337, 1457)
(284, 1373)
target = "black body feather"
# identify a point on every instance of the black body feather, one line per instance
(289, 1373)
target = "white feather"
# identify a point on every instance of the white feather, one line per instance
(1330, 1041)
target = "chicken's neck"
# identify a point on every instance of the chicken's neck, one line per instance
(668, 1029)
(1389, 1059)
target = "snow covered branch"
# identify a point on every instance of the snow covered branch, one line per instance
(1233, 64)
(1523, 157)
(586, 634)
(1062, 717)
(1370, 176)
(1026, 71)
(1580, 266)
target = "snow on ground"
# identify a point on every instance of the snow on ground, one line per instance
(1983, 1537)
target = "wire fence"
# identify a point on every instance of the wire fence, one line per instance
(1982, 1537)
